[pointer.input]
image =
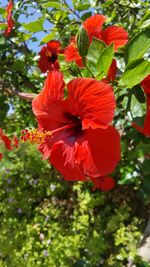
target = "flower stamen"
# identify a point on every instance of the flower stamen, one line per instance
(35, 136)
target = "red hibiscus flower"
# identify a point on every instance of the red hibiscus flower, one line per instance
(48, 56)
(75, 133)
(146, 127)
(5, 139)
(10, 21)
(93, 25)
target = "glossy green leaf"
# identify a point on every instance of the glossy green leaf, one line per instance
(34, 26)
(3, 26)
(135, 72)
(145, 22)
(138, 45)
(48, 37)
(54, 4)
(27, 36)
(2, 11)
(104, 61)
(95, 50)
(82, 42)
(82, 7)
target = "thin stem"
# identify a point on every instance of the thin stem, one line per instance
(72, 10)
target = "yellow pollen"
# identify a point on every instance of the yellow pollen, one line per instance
(48, 53)
(35, 136)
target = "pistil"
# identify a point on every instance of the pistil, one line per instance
(36, 136)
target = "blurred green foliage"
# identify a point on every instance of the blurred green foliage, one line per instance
(46, 221)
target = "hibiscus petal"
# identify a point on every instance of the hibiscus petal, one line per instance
(48, 106)
(9, 7)
(93, 25)
(72, 54)
(62, 157)
(1, 155)
(103, 183)
(98, 151)
(116, 35)
(112, 71)
(54, 46)
(93, 101)
(146, 84)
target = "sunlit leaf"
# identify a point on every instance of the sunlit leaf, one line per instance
(34, 26)
(104, 61)
(138, 45)
(95, 50)
(82, 42)
(54, 4)
(135, 72)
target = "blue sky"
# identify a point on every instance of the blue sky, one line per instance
(47, 25)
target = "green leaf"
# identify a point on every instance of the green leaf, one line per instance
(48, 37)
(53, 4)
(2, 11)
(104, 61)
(138, 45)
(82, 7)
(35, 26)
(86, 16)
(95, 50)
(27, 36)
(139, 94)
(135, 72)
(145, 22)
(3, 26)
(2, 39)
(82, 42)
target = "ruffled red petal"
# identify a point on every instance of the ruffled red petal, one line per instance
(93, 101)
(9, 7)
(48, 106)
(93, 25)
(146, 85)
(72, 54)
(116, 35)
(62, 157)
(112, 71)
(10, 21)
(97, 152)
(54, 46)
(103, 183)
(10, 25)
(75, 159)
